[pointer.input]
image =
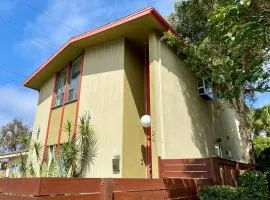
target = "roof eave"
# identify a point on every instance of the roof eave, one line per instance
(139, 14)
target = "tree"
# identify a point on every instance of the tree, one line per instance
(11, 133)
(259, 120)
(261, 148)
(228, 43)
(225, 41)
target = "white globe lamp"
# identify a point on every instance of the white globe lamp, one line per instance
(146, 121)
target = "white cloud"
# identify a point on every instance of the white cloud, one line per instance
(17, 102)
(81, 15)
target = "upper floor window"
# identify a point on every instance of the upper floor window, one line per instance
(60, 89)
(72, 74)
(74, 80)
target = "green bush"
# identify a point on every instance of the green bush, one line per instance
(220, 193)
(251, 186)
(261, 148)
(255, 185)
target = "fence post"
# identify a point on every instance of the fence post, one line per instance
(213, 170)
(106, 190)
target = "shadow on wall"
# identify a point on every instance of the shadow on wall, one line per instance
(199, 113)
(197, 109)
(209, 120)
(227, 129)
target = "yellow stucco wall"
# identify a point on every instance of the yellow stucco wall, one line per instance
(102, 97)
(185, 125)
(155, 103)
(43, 110)
(226, 127)
(69, 116)
(134, 149)
(42, 117)
(54, 126)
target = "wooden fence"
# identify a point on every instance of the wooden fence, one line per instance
(99, 189)
(216, 170)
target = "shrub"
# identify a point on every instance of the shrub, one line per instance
(251, 186)
(255, 185)
(220, 193)
(261, 148)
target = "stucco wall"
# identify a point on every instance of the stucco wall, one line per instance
(42, 117)
(54, 126)
(102, 97)
(69, 116)
(186, 125)
(43, 110)
(134, 150)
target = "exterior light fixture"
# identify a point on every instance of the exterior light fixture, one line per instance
(146, 121)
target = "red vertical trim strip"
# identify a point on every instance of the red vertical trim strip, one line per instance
(147, 111)
(79, 96)
(63, 109)
(50, 115)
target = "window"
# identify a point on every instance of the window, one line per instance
(205, 89)
(60, 88)
(74, 80)
(73, 83)
(218, 150)
(51, 152)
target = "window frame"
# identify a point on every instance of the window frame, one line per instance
(68, 74)
(70, 79)
(56, 88)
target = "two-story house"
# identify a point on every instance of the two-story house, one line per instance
(120, 72)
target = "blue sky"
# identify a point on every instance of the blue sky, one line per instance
(32, 30)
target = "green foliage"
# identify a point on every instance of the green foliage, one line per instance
(259, 120)
(13, 132)
(220, 193)
(78, 153)
(251, 186)
(255, 185)
(75, 157)
(261, 148)
(226, 42)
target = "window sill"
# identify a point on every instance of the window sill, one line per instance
(69, 102)
(55, 107)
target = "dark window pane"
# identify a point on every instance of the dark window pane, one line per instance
(74, 79)
(60, 88)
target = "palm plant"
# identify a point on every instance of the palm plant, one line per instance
(76, 155)
(80, 151)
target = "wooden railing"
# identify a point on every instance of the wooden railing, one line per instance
(96, 189)
(216, 170)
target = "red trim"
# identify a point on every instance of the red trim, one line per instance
(164, 22)
(106, 27)
(79, 95)
(147, 111)
(50, 115)
(63, 109)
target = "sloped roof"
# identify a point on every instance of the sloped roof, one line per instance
(148, 17)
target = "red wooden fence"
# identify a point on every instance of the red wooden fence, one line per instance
(96, 189)
(216, 170)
